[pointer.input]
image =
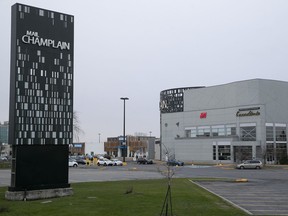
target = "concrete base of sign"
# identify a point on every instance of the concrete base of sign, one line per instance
(38, 194)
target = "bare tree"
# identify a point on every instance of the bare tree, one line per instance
(77, 131)
(167, 204)
(1, 147)
(264, 154)
(168, 172)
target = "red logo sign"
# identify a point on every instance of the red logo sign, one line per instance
(203, 115)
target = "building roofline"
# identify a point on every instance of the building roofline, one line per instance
(184, 88)
(248, 80)
(234, 82)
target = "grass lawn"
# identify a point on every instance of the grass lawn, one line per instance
(5, 165)
(127, 198)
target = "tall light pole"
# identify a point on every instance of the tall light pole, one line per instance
(124, 145)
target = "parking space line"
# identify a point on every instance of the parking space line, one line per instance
(248, 198)
(263, 205)
(272, 212)
(232, 203)
(260, 201)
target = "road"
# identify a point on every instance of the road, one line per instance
(265, 192)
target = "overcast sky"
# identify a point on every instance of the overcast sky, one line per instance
(138, 48)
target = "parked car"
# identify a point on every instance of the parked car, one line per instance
(250, 164)
(144, 161)
(175, 163)
(99, 156)
(81, 161)
(117, 162)
(3, 158)
(107, 156)
(72, 163)
(104, 162)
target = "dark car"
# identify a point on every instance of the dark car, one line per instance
(144, 161)
(107, 156)
(175, 163)
(81, 161)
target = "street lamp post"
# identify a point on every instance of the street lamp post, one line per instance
(124, 146)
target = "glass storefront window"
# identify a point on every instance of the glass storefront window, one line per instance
(281, 152)
(269, 132)
(207, 131)
(194, 132)
(248, 132)
(204, 131)
(218, 130)
(280, 133)
(190, 132)
(224, 152)
(187, 133)
(231, 130)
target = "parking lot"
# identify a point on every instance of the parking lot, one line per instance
(265, 192)
(256, 197)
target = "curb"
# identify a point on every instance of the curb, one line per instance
(241, 180)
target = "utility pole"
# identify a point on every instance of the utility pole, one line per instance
(124, 145)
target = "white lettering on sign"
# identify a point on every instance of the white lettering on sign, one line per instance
(33, 38)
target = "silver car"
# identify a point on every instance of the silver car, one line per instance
(72, 163)
(117, 162)
(105, 162)
(250, 164)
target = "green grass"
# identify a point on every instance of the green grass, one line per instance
(5, 165)
(141, 198)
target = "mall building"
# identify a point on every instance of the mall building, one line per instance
(225, 123)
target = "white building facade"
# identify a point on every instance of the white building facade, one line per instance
(226, 123)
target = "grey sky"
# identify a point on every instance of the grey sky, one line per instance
(137, 48)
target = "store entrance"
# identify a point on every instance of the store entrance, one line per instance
(242, 153)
